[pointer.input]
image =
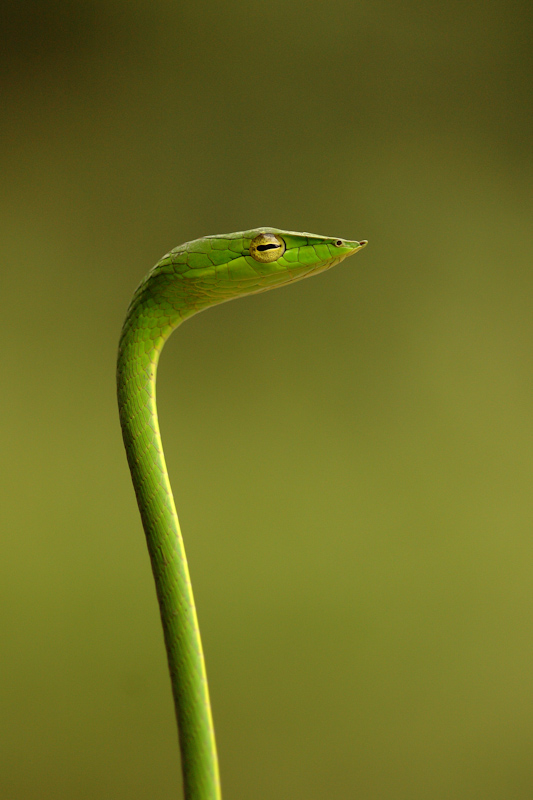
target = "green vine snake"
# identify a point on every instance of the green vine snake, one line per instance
(187, 280)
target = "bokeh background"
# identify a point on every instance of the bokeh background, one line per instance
(352, 456)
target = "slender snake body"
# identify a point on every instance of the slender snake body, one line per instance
(189, 279)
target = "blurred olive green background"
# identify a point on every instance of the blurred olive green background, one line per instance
(352, 456)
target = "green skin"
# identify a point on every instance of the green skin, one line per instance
(187, 280)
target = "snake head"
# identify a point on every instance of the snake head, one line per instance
(263, 258)
(215, 269)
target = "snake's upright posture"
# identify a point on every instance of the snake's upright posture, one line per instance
(189, 279)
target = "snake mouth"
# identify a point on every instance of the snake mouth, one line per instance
(358, 246)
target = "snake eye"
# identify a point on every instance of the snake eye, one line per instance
(267, 247)
(339, 243)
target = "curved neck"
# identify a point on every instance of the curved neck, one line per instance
(147, 327)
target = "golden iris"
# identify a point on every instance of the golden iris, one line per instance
(267, 247)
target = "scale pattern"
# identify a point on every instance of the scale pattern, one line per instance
(187, 280)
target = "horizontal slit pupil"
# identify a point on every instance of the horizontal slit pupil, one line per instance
(267, 246)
